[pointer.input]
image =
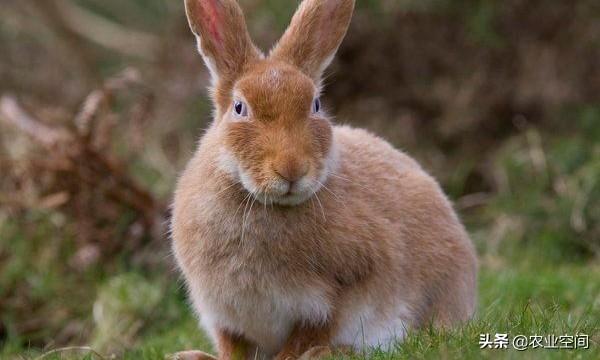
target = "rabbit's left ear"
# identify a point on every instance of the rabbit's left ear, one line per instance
(223, 39)
(314, 35)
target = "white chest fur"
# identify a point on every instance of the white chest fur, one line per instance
(246, 287)
(265, 315)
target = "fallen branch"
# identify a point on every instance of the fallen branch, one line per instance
(87, 164)
(94, 101)
(13, 113)
(87, 180)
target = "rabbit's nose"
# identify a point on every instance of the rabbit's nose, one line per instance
(291, 170)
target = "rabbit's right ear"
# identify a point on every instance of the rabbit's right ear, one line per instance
(223, 39)
(314, 35)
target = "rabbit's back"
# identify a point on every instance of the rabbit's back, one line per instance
(429, 269)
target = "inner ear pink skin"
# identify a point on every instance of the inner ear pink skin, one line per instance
(211, 16)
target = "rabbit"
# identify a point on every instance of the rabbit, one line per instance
(296, 236)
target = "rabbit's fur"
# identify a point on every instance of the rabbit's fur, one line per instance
(294, 233)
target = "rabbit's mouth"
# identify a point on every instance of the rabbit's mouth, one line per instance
(289, 199)
(271, 188)
(285, 200)
(281, 192)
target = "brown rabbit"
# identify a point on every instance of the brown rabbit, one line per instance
(294, 234)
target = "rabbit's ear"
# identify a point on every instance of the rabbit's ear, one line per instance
(223, 39)
(314, 35)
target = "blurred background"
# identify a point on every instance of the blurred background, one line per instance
(102, 102)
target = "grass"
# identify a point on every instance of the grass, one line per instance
(140, 315)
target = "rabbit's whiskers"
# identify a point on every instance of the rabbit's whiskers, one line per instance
(251, 200)
(330, 191)
(320, 204)
(241, 203)
(350, 181)
(225, 189)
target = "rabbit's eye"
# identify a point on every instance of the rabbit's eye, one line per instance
(316, 105)
(240, 109)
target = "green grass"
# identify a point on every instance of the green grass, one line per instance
(514, 299)
(521, 301)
